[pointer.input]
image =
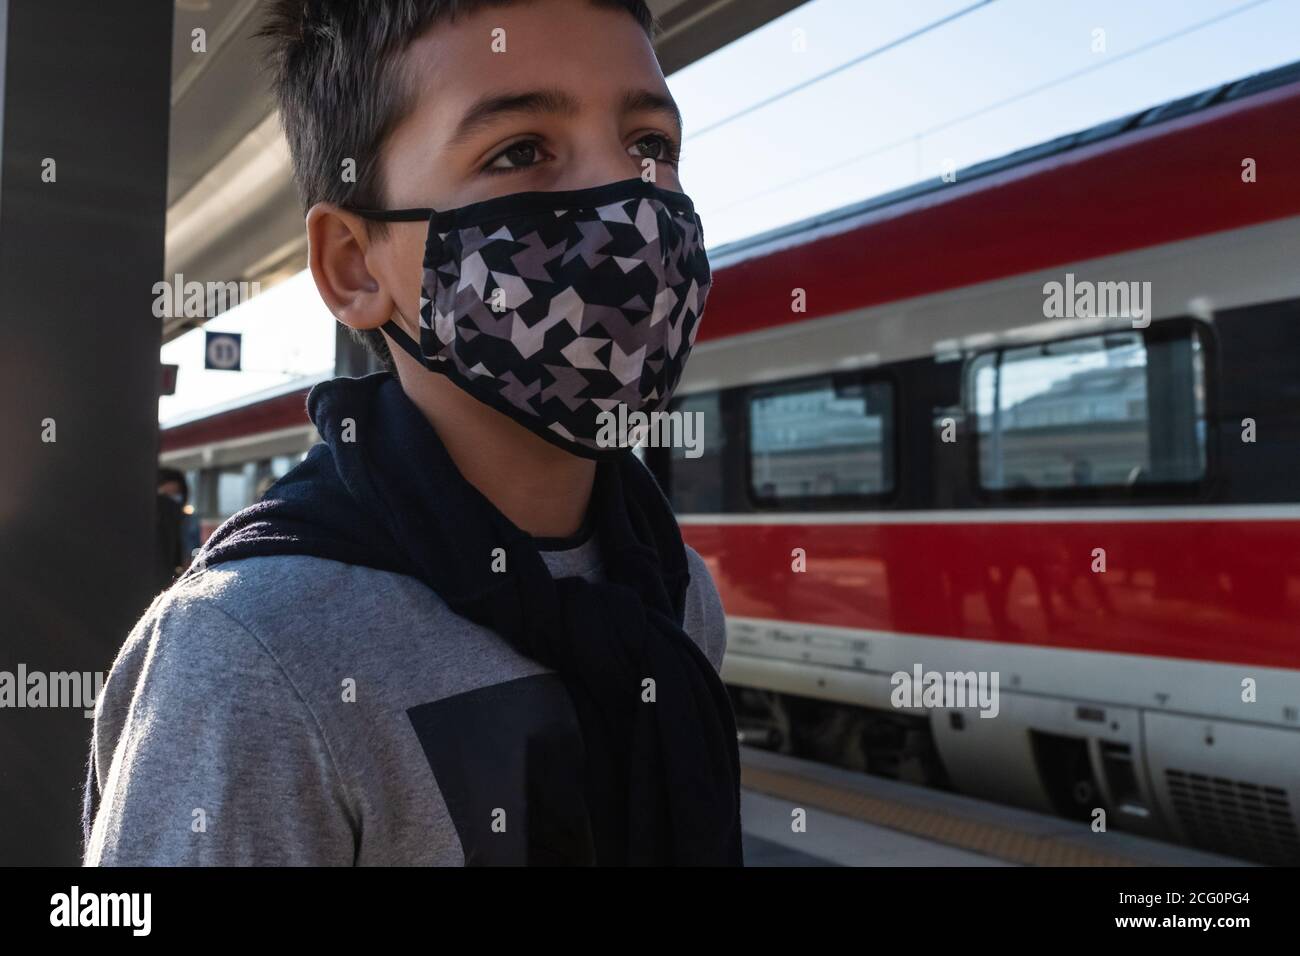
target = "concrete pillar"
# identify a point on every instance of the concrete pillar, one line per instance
(85, 94)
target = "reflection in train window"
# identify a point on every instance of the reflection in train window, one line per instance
(234, 489)
(224, 490)
(270, 470)
(822, 439)
(1114, 410)
(696, 484)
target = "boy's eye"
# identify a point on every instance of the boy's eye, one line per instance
(515, 156)
(656, 146)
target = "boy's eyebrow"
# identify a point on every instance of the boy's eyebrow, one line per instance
(551, 100)
(490, 107)
(648, 101)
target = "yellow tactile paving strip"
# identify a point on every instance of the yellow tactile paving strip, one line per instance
(977, 836)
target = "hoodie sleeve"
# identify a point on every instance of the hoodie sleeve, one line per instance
(204, 753)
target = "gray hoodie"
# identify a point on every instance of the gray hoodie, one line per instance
(298, 711)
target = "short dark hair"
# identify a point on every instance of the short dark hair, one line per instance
(336, 74)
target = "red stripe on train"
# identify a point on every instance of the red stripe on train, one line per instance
(1172, 181)
(1199, 590)
(282, 411)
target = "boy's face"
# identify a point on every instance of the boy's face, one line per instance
(575, 99)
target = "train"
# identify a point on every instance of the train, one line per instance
(1035, 425)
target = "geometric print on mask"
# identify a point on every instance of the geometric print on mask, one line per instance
(555, 307)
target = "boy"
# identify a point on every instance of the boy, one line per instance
(462, 631)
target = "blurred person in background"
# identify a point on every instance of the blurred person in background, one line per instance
(167, 540)
(172, 483)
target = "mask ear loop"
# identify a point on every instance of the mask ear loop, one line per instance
(390, 215)
(395, 331)
(408, 344)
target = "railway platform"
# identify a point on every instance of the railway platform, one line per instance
(855, 819)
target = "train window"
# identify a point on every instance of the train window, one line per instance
(1113, 411)
(824, 438)
(234, 488)
(696, 482)
(270, 470)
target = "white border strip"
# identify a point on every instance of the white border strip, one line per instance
(240, 441)
(1062, 515)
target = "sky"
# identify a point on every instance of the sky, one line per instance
(770, 140)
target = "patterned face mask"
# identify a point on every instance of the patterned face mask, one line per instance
(556, 307)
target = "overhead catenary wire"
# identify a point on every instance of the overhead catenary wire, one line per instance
(999, 104)
(891, 45)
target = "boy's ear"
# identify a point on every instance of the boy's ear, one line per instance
(338, 247)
